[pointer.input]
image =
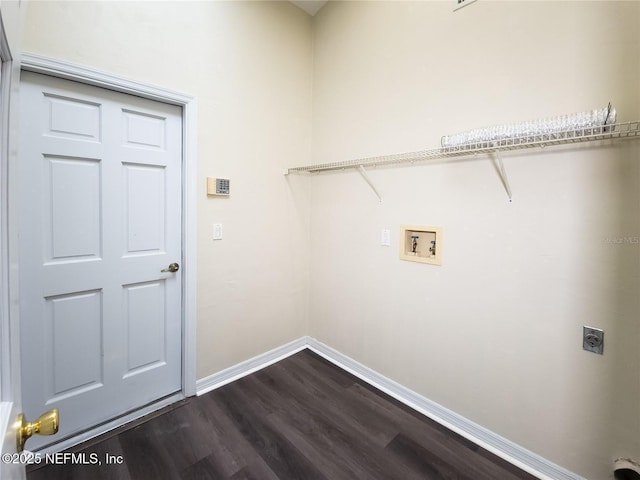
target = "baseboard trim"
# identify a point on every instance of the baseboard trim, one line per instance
(515, 454)
(494, 443)
(247, 367)
(500, 446)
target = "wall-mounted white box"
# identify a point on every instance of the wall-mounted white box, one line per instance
(421, 243)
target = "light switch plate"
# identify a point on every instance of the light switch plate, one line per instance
(385, 237)
(217, 231)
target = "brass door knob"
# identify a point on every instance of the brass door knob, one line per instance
(173, 267)
(46, 424)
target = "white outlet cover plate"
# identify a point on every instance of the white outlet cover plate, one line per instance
(385, 237)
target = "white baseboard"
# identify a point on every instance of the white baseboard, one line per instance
(247, 367)
(494, 443)
(500, 446)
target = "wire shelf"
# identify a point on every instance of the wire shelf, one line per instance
(588, 134)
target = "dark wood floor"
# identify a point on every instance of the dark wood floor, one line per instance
(302, 418)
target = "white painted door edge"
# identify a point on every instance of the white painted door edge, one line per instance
(10, 395)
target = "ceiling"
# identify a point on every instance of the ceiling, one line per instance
(310, 6)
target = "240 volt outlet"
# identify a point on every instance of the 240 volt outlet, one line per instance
(593, 340)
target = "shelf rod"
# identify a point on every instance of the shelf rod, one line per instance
(363, 172)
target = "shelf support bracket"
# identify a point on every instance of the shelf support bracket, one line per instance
(363, 172)
(503, 174)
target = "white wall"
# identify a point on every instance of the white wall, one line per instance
(250, 65)
(493, 334)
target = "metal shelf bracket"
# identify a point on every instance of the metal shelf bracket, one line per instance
(367, 179)
(503, 174)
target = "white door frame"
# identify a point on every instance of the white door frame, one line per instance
(78, 73)
(10, 398)
(5, 330)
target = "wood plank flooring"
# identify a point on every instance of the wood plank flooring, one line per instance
(302, 418)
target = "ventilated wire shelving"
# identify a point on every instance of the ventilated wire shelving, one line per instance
(628, 130)
(589, 134)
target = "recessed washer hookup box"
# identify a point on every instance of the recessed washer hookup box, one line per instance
(421, 243)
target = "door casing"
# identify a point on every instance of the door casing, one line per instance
(10, 397)
(81, 74)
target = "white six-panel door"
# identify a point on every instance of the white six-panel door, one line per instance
(100, 217)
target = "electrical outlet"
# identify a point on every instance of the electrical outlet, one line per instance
(593, 340)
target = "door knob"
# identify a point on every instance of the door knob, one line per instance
(173, 267)
(46, 424)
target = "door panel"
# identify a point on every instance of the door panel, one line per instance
(143, 130)
(72, 221)
(145, 326)
(100, 217)
(72, 118)
(145, 207)
(77, 366)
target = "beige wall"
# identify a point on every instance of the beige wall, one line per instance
(494, 334)
(249, 65)
(13, 22)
